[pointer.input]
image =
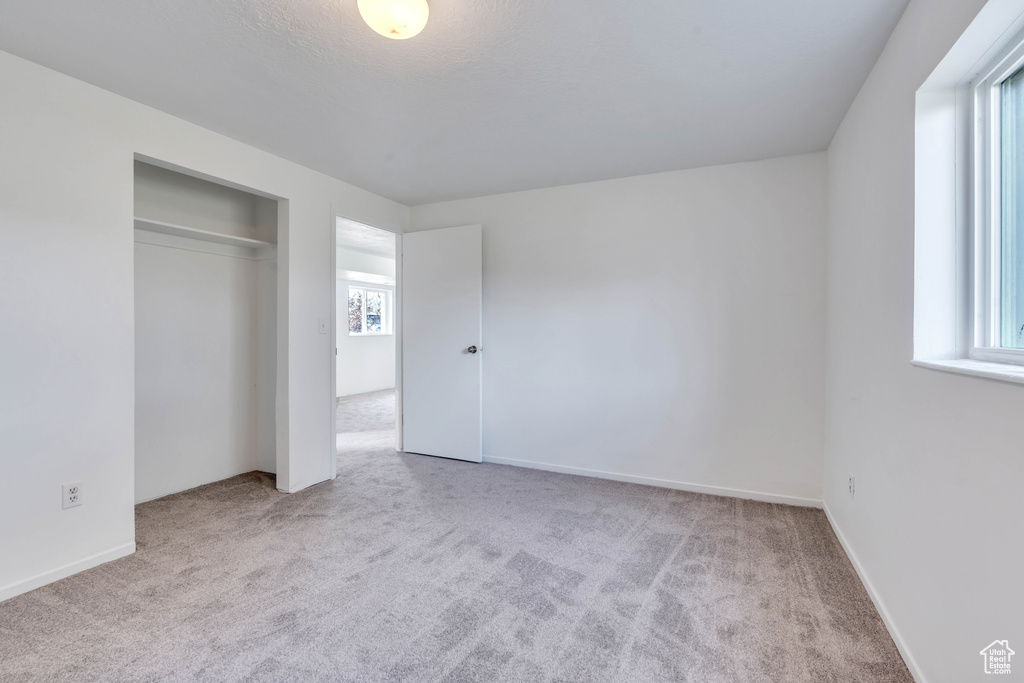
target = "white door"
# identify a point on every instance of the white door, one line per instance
(442, 287)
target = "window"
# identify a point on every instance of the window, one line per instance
(1011, 224)
(369, 311)
(969, 202)
(998, 228)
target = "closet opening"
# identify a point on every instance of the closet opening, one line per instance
(206, 293)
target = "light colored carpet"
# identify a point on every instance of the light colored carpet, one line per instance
(410, 568)
(366, 422)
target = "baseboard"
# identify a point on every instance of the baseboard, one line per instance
(192, 487)
(894, 632)
(662, 483)
(40, 580)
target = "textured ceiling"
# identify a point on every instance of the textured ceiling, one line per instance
(352, 235)
(493, 96)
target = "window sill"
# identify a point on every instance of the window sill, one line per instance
(370, 334)
(976, 368)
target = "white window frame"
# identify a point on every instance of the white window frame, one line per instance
(953, 228)
(985, 179)
(387, 312)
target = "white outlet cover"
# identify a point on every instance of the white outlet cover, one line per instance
(71, 495)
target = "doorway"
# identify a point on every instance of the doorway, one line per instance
(366, 334)
(407, 366)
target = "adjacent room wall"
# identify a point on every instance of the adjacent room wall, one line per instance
(666, 328)
(365, 363)
(364, 262)
(66, 269)
(935, 525)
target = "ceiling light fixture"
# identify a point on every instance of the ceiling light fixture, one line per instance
(394, 18)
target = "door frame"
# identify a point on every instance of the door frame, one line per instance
(397, 330)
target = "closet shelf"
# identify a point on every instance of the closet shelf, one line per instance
(205, 235)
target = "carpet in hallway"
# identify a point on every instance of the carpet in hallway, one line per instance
(366, 423)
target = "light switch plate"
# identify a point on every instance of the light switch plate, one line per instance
(323, 325)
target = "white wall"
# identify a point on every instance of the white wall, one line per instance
(364, 363)
(363, 262)
(196, 359)
(667, 327)
(66, 299)
(266, 372)
(936, 522)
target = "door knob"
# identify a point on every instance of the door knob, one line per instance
(471, 349)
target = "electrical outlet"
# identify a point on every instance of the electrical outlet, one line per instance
(72, 495)
(853, 486)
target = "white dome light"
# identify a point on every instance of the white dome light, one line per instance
(395, 18)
